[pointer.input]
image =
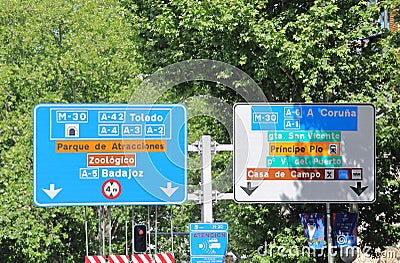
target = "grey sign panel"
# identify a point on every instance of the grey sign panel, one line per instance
(304, 153)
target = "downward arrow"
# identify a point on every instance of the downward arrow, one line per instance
(169, 190)
(52, 192)
(249, 190)
(358, 190)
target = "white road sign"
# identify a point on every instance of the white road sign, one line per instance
(304, 153)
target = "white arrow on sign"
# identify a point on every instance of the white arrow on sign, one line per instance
(169, 190)
(52, 192)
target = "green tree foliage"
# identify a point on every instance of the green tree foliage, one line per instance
(295, 50)
(94, 51)
(51, 51)
(385, 212)
(314, 51)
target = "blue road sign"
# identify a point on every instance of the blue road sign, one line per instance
(208, 242)
(109, 154)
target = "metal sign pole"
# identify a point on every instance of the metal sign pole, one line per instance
(86, 234)
(126, 230)
(156, 230)
(329, 232)
(206, 180)
(99, 229)
(109, 229)
(148, 227)
(172, 230)
(133, 226)
(103, 230)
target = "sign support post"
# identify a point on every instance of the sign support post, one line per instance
(133, 226)
(329, 232)
(206, 147)
(86, 234)
(206, 180)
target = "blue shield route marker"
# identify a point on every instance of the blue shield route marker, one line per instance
(208, 242)
(109, 154)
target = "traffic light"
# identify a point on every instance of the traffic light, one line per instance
(140, 238)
